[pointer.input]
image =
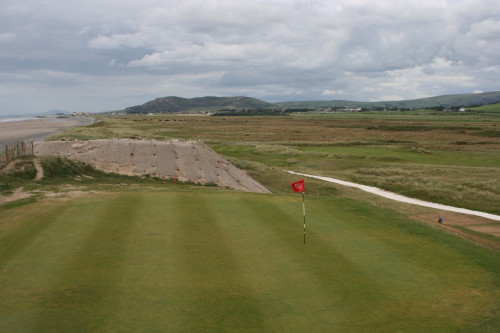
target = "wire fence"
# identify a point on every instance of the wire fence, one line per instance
(14, 150)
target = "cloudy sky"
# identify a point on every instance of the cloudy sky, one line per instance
(98, 55)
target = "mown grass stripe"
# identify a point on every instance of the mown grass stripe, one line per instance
(217, 297)
(287, 292)
(25, 233)
(358, 233)
(28, 276)
(340, 280)
(78, 301)
(229, 261)
(408, 248)
(422, 270)
(148, 297)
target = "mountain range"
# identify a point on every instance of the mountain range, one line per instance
(173, 104)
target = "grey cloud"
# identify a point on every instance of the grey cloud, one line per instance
(353, 49)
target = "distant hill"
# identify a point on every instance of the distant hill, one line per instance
(430, 102)
(174, 104)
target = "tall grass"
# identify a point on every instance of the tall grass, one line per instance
(286, 151)
(61, 167)
(18, 173)
(449, 185)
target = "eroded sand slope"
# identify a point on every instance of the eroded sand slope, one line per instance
(188, 161)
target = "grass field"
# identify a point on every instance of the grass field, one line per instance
(129, 254)
(219, 261)
(451, 158)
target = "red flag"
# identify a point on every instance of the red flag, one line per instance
(298, 186)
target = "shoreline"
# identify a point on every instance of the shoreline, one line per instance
(37, 129)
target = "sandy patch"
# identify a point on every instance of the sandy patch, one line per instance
(39, 169)
(452, 218)
(16, 165)
(16, 195)
(487, 229)
(69, 195)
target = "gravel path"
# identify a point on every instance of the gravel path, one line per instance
(402, 198)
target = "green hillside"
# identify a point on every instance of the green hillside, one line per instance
(444, 101)
(185, 105)
(174, 104)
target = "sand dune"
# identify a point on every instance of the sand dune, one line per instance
(187, 161)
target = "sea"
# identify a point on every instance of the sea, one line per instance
(8, 119)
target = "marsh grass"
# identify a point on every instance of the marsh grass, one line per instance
(284, 130)
(286, 151)
(442, 157)
(450, 185)
(405, 128)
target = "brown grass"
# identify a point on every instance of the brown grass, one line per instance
(283, 141)
(286, 130)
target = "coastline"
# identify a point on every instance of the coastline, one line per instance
(37, 129)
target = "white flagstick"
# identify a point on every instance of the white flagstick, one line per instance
(304, 213)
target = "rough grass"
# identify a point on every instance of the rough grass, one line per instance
(286, 151)
(64, 175)
(18, 173)
(198, 262)
(481, 192)
(56, 166)
(447, 157)
(296, 129)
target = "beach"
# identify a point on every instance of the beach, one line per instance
(36, 129)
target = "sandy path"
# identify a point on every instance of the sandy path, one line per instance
(39, 168)
(402, 198)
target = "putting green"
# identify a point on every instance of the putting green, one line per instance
(227, 261)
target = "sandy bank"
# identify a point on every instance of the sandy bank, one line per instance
(186, 161)
(37, 129)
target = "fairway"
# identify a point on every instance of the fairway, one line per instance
(220, 261)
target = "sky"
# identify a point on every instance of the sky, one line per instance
(102, 55)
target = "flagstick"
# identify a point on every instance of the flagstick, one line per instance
(304, 213)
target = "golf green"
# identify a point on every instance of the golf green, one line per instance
(221, 261)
